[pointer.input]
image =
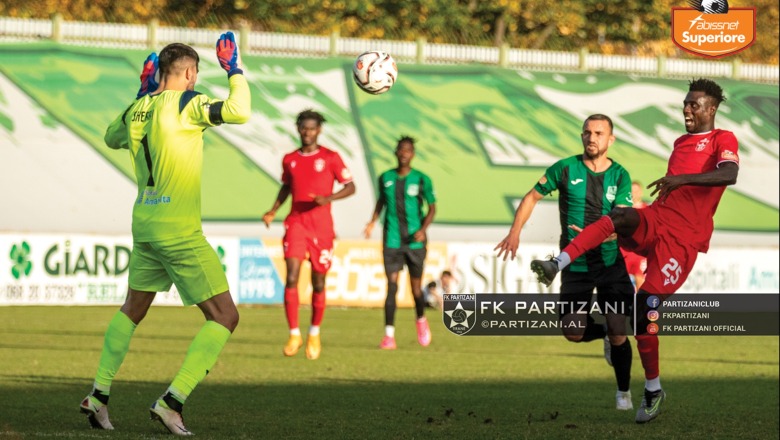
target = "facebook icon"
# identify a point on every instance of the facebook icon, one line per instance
(652, 301)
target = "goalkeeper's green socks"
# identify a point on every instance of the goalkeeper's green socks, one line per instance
(201, 357)
(115, 346)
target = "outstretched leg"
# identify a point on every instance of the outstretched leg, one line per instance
(622, 221)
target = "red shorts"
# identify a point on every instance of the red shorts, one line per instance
(669, 260)
(302, 243)
(635, 264)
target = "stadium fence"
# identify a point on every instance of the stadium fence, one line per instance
(154, 36)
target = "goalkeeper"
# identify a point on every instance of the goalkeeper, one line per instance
(163, 130)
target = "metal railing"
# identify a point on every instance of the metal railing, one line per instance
(154, 36)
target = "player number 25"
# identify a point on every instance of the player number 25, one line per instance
(672, 270)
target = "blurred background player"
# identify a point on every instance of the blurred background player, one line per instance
(308, 173)
(164, 132)
(434, 290)
(590, 185)
(675, 228)
(635, 263)
(447, 283)
(402, 191)
(432, 294)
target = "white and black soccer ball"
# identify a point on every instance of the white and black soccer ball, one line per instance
(375, 71)
(715, 6)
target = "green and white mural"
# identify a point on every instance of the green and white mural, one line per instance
(484, 135)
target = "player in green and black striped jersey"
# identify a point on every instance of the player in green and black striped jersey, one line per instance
(402, 194)
(590, 185)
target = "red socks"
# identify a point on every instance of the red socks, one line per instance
(647, 345)
(590, 237)
(291, 303)
(317, 307)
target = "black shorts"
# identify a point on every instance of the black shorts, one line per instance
(413, 258)
(615, 292)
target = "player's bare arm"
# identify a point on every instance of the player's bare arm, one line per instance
(374, 217)
(346, 191)
(508, 246)
(268, 217)
(421, 234)
(725, 174)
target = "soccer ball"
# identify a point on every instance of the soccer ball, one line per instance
(375, 72)
(715, 6)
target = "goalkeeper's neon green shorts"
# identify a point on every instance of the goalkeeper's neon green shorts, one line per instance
(189, 262)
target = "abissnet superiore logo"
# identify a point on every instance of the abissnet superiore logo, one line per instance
(709, 28)
(459, 313)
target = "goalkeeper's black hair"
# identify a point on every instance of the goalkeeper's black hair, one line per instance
(403, 139)
(309, 114)
(173, 53)
(709, 87)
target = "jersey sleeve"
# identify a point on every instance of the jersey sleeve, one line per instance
(428, 193)
(207, 112)
(624, 196)
(726, 148)
(339, 170)
(549, 181)
(116, 134)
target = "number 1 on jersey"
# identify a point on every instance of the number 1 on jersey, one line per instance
(148, 157)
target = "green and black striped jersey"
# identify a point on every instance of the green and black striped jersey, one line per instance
(585, 196)
(403, 200)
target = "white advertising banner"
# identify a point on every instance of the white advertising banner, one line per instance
(736, 270)
(722, 270)
(81, 269)
(78, 269)
(477, 269)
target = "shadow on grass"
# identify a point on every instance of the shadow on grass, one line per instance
(40, 406)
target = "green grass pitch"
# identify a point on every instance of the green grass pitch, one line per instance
(457, 388)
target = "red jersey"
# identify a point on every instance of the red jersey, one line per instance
(308, 175)
(688, 210)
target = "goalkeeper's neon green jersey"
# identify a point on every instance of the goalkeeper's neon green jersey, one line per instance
(164, 134)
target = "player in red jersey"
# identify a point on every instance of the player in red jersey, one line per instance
(309, 173)
(671, 231)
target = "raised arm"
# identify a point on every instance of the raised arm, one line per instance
(116, 133)
(237, 108)
(508, 246)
